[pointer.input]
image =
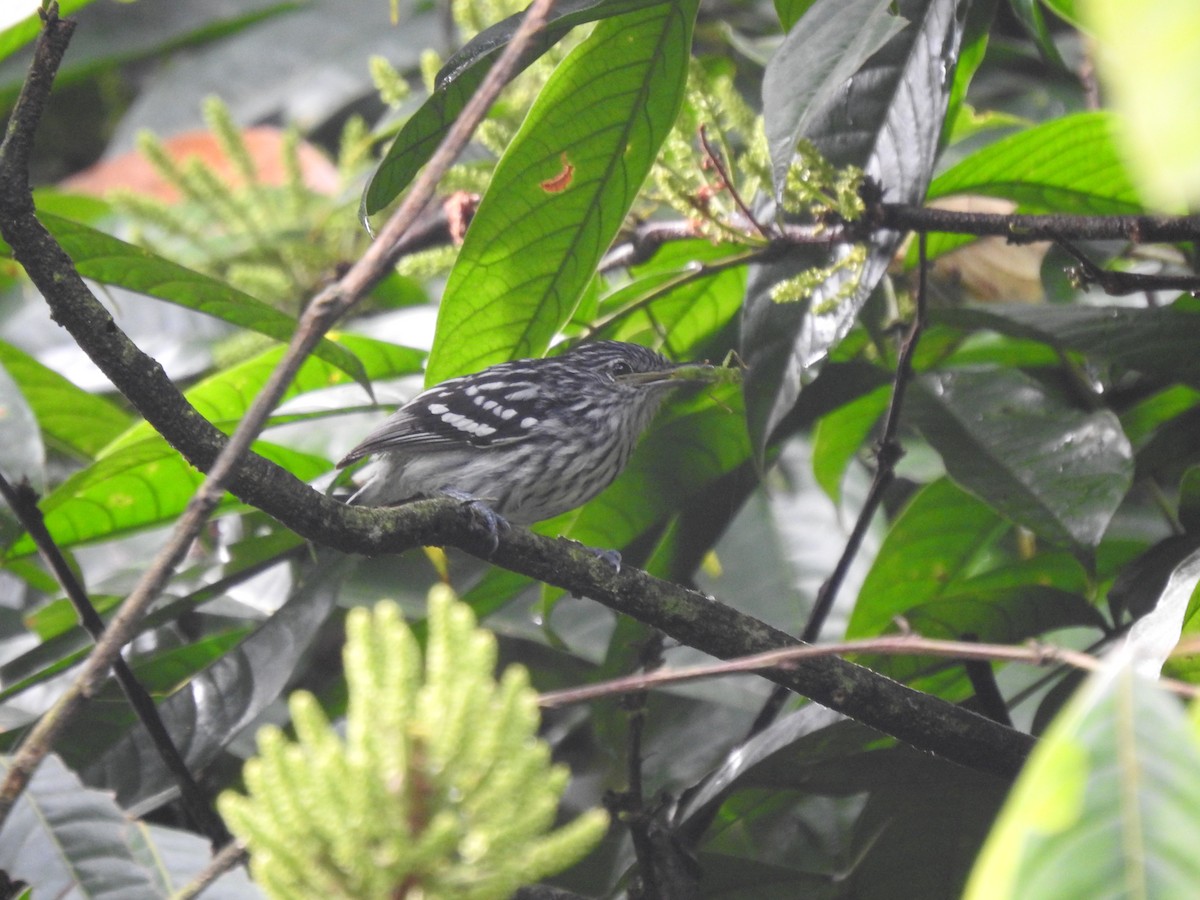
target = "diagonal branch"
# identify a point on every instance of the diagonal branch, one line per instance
(36, 251)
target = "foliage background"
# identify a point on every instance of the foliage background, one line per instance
(1047, 490)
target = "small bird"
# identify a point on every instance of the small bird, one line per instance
(528, 439)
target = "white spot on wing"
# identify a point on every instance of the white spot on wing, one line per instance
(437, 409)
(528, 421)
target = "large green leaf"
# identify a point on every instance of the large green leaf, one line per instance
(1005, 614)
(68, 415)
(933, 543)
(109, 260)
(562, 189)
(1059, 471)
(841, 434)
(139, 485)
(223, 398)
(140, 481)
(460, 78)
(1067, 165)
(887, 120)
(1108, 805)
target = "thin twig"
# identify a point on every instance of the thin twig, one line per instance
(694, 273)
(888, 453)
(23, 501)
(727, 183)
(232, 854)
(1120, 283)
(1034, 654)
(1029, 229)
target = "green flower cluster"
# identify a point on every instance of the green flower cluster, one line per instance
(439, 789)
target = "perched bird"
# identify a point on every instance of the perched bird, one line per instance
(528, 439)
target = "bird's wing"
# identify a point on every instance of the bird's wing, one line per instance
(477, 411)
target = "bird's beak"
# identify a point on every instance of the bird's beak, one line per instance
(688, 373)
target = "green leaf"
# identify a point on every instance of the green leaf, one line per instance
(1059, 471)
(1186, 666)
(108, 260)
(58, 616)
(562, 189)
(1029, 14)
(223, 398)
(1001, 614)
(25, 31)
(1108, 804)
(1158, 340)
(933, 543)
(68, 415)
(1143, 418)
(140, 481)
(806, 74)
(1067, 165)
(139, 485)
(668, 300)
(959, 116)
(22, 454)
(458, 81)
(790, 11)
(841, 434)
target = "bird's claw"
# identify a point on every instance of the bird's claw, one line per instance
(612, 557)
(493, 522)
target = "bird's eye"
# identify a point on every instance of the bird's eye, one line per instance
(619, 367)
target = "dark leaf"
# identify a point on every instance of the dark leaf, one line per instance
(887, 119)
(1040, 462)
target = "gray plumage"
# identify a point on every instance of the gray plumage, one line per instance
(531, 438)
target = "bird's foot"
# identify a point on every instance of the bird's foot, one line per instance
(612, 557)
(493, 522)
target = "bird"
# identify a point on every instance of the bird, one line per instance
(524, 440)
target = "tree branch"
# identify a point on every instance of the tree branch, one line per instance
(1029, 229)
(687, 616)
(49, 267)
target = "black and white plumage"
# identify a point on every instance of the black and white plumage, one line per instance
(530, 439)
